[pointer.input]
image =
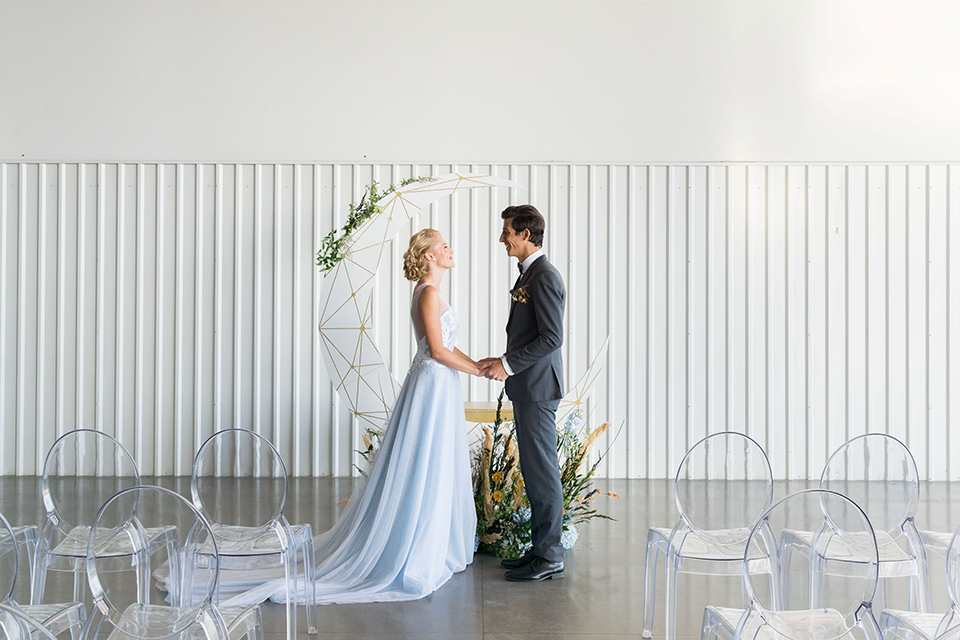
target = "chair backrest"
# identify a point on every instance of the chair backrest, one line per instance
(723, 485)
(239, 483)
(122, 523)
(16, 625)
(839, 600)
(953, 569)
(82, 470)
(879, 473)
(9, 560)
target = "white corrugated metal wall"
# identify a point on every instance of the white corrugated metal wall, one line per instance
(803, 304)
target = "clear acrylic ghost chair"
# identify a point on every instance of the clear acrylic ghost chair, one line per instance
(239, 483)
(846, 600)
(126, 608)
(82, 470)
(56, 618)
(912, 625)
(936, 542)
(16, 624)
(26, 536)
(723, 486)
(878, 472)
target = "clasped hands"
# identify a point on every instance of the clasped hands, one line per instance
(492, 369)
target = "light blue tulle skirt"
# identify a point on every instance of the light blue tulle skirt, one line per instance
(411, 524)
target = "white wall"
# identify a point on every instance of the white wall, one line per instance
(802, 304)
(499, 80)
(804, 297)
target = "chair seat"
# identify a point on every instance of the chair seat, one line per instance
(75, 544)
(154, 616)
(25, 532)
(937, 541)
(723, 545)
(244, 541)
(57, 618)
(895, 562)
(922, 623)
(824, 623)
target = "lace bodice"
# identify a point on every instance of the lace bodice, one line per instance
(449, 327)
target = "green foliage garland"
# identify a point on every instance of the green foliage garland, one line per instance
(335, 244)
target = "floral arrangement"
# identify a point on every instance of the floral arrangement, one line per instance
(334, 245)
(520, 295)
(503, 512)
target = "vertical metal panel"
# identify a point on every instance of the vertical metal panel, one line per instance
(938, 299)
(816, 310)
(801, 304)
(917, 313)
(855, 301)
(952, 425)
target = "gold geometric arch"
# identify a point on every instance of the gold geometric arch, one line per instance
(346, 314)
(576, 397)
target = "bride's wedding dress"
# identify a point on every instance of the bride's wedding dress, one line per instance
(412, 524)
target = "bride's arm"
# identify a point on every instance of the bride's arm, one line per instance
(429, 304)
(466, 357)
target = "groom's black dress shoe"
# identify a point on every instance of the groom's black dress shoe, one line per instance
(536, 570)
(516, 563)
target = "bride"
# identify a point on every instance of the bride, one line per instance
(412, 525)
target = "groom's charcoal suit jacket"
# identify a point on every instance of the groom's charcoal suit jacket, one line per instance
(535, 334)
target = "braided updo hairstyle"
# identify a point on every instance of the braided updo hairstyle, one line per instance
(414, 260)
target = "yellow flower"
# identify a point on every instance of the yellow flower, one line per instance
(497, 476)
(497, 496)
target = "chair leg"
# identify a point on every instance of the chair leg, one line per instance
(143, 575)
(888, 626)
(290, 580)
(816, 579)
(650, 585)
(783, 571)
(670, 595)
(175, 564)
(869, 625)
(922, 585)
(309, 585)
(79, 580)
(39, 583)
(30, 542)
(708, 629)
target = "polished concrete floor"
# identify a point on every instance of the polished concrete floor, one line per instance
(601, 596)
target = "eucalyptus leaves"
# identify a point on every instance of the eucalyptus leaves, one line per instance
(335, 244)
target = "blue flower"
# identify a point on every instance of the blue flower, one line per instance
(569, 536)
(521, 515)
(573, 420)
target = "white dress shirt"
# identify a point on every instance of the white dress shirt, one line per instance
(533, 257)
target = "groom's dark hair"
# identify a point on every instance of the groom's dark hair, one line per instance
(526, 217)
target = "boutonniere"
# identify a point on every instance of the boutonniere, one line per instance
(520, 295)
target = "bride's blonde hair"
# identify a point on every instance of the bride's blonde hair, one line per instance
(414, 258)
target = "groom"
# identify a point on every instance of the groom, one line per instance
(533, 371)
